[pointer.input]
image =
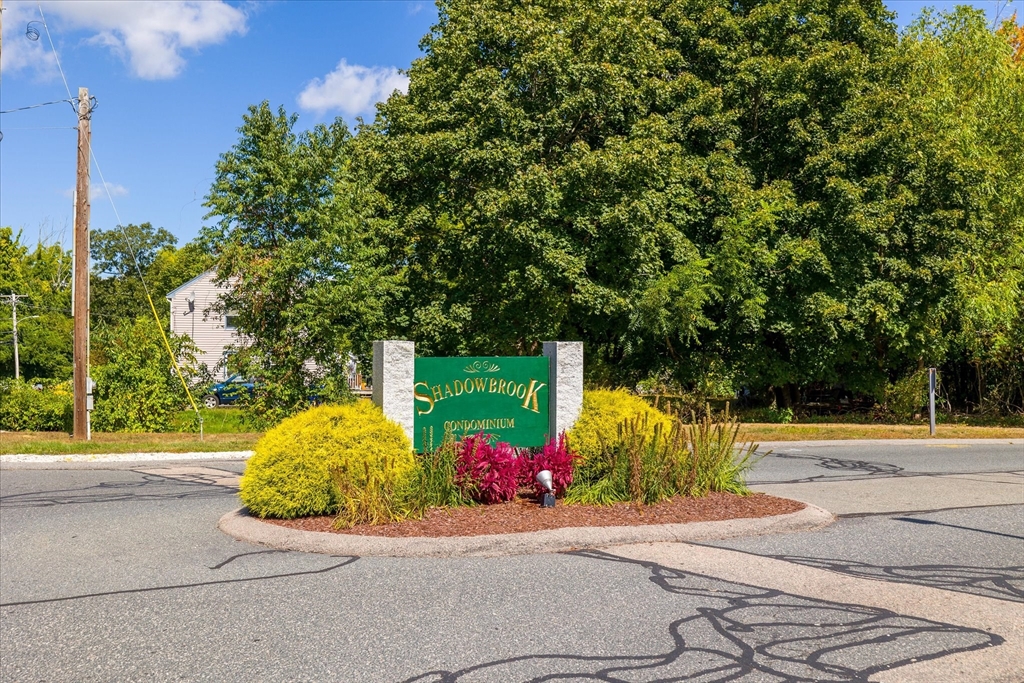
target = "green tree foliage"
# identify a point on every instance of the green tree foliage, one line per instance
(542, 180)
(772, 194)
(117, 291)
(43, 274)
(137, 388)
(120, 250)
(924, 196)
(128, 358)
(287, 240)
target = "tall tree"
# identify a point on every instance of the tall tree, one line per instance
(542, 179)
(116, 288)
(286, 241)
(769, 193)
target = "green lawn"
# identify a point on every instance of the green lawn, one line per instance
(222, 424)
(834, 431)
(216, 421)
(222, 431)
(58, 443)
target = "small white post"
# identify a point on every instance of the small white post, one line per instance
(931, 401)
(393, 376)
(565, 380)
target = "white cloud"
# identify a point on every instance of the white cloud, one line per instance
(150, 36)
(18, 51)
(352, 89)
(96, 191)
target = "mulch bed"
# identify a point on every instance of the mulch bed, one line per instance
(523, 514)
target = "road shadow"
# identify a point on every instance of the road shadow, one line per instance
(740, 632)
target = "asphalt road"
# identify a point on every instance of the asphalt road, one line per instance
(121, 575)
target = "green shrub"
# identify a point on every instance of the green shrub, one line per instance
(389, 495)
(770, 414)
(640, 464)
(603, 412)
(137, 388)
(908, 395)
(717, 464)
(24, 408)
(289, 474)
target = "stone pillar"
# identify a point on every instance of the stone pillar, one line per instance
(565, 380)
(393, 370)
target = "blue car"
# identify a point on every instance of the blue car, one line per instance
(227, 392)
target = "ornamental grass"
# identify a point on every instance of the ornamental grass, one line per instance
(646, 465)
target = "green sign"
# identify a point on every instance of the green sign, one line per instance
(505, 397)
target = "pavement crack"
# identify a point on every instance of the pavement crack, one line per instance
(180, 586)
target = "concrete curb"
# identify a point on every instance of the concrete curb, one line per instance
(116, 458)
(240, 525)
(934, 442)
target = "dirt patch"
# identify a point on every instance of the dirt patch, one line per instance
(525, 515)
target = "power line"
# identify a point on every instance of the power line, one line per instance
(35, 106)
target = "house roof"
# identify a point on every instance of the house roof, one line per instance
(170, 295)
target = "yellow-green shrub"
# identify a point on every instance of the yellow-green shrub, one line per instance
(603, 411)
(289, 474)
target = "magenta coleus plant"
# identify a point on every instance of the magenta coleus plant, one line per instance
(555, 457)
(489, 474)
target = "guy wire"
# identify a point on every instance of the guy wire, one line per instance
(56, 58)
(145, 288)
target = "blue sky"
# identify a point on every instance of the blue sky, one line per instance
(172, 80)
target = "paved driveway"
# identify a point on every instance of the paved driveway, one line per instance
(121, 575)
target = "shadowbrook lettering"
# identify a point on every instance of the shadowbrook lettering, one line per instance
(506, 397)
(427, 395)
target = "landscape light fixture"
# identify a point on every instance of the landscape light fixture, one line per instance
(547, 500)
(191, 303)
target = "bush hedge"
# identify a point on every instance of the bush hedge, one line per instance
(603, 411)
(289, 475)
(25, 408)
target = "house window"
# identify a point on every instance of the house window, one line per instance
(229, 322)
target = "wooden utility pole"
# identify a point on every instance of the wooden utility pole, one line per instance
(81, 303)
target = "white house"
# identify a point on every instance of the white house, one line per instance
(193, 314)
